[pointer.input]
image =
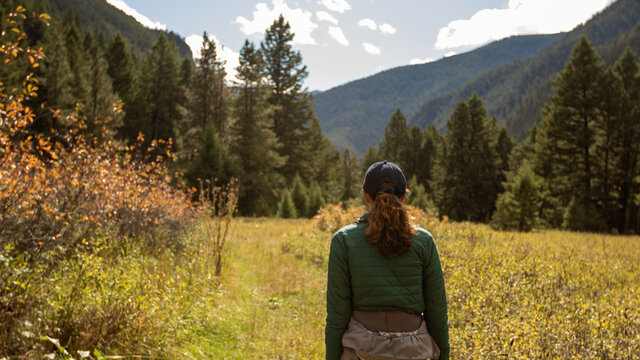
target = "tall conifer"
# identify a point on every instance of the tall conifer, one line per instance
(255, 142)
(292, 103)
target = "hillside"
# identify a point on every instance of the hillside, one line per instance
(98, 15)
(515, 92)
(367, 104)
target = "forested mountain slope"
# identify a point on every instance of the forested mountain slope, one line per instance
(98, 15)
(516, 91)
(356, 113)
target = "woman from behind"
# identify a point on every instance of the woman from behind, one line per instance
(385, 292)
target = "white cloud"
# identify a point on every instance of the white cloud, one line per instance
(368, 23)
(263, 17)
(371, 49)
(230, 57)
(325, 16)
(337, 34)
(450, 53)
(520, 17)
(120, 4)
(336, 5)
(416, 61)
(387, 29)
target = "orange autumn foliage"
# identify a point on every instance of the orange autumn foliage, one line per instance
(58, 189)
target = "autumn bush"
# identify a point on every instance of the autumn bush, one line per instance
(73, 204)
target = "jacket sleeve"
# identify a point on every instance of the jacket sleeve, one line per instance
(338, 297)
(435, 299)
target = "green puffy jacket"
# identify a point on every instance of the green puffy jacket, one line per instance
(360, 278)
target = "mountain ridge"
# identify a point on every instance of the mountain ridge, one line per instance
(99, 15)
(373, 107)
(519, 108)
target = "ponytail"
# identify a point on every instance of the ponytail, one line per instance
(389, 227)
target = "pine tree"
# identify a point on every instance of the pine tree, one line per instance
(470, 180)
(413, 158)
(627, 70)
(418, 196)
(287, 208)
(393, 146)
(350, 174)
(430, 150)
(564, 147)
(160, 91)
(77, 62)
(293, 104)
(255, 142)
(518, 207)
(504, 147)
(186, 72)
(120, 68)
(371, 157)
(316, 200)
(321, 158)
(56, 84)
(209, 96)
(300, 196)
(210, 162)
(100, 98)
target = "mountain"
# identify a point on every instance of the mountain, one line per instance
(516, 91)
(98, 15)
(356, 113)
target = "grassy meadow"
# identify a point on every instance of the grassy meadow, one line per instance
(548, 294)
(538, 295)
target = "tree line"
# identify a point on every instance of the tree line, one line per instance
(260, 129)
(578, 169)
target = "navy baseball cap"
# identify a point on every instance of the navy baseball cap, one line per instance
(384, 171)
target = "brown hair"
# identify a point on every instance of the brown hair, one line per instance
(389, 227)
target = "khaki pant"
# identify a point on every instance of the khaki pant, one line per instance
(387, 335)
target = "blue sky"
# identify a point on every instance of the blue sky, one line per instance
(344, 40)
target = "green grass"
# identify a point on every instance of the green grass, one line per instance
(539, 295)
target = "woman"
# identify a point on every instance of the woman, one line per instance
(385, 281)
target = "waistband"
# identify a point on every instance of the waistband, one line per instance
(388, 320)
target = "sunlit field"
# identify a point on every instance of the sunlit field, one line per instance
(548, 294)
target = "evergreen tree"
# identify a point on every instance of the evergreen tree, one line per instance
(287, 208)
(322, 157)
(627, 70)
(300, 196)
(504, 147)
(371, 157)
(77, 61)
(518, 207)
(160, 91)
(413, 157)
(454, 186)
(430, 150)
(120, 68)
(470, 181)
(210, 162)
(186, 72)
(293, 104)
(418, 196)
(100, 98)
(350, 174)
(209, 95)
(56, 84)
(607, 137)
(564, 146)
(393, 146)
(255, 145)
(316, 200)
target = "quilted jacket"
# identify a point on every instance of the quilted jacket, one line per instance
(360, 278)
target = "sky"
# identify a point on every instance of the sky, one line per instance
(345, 40)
